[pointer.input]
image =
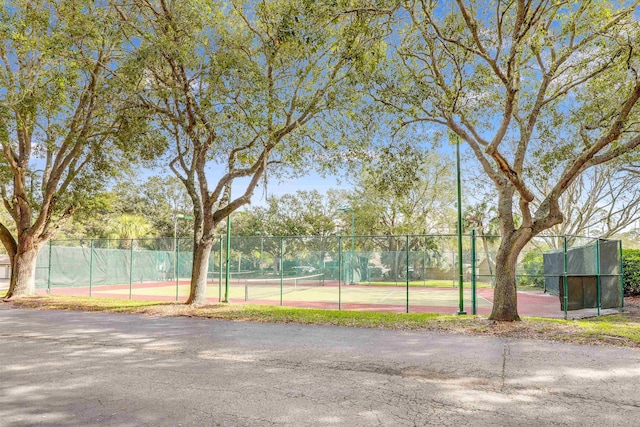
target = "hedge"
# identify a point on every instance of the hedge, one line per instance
(533, 266)
(631, 266)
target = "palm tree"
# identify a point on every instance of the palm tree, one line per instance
(485, 220)
(129, 228)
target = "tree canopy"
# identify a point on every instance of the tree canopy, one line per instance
(242, 86)
(238, 93)
(531, 87)
(61, 131)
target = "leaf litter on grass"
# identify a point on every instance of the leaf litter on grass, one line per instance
(618, 330)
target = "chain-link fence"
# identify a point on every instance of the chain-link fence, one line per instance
(555, 275)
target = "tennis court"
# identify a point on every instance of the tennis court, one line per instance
(315, 292)
(320, 273)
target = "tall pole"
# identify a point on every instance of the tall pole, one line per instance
(131, 269)
(460, 266)
(281, 266)
(353, 244)
(474, 301)
(339, 272)
(175, 246)
(621, 271)
(49, 272)
(598, 277)
(91, 267)
(406, 247)
(220, 272)
(228, 263)
(565, 278)
(177, 267)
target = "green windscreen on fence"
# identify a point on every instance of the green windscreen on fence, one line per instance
(104, 262)
(592, 278)
(403, 273)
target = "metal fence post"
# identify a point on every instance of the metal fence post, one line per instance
(565, 279)
(131, 270)
(459, 206)
(227, 265)
(424, 267)
(281, 265)
(474, 300)
(407, 272)
(339, 272)
(91, 267)
(621, 273)
(220, 272)
(106, 261)
(49, 273)
(460, 279)
(598, 281)
(177, 267)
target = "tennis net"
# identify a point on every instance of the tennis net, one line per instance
(269, 287)
(235, 277)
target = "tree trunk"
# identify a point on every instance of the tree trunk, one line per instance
(198, 293)
(23, 269)
(505, 305)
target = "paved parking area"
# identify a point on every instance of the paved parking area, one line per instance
(77, 369)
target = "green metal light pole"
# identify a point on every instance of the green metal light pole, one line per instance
(91, 267)
(228, 257)
(220, 271)
(339, 272)
(353, 244)
(346, 209)
(598, 276)
(49, 272)
(565, 278)
(474, 301)
(621, 271)
(460, 266)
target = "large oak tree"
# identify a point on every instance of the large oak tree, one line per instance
(58, 120)
(243, 87)
(532, 86)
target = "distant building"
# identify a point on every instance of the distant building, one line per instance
(5, 267)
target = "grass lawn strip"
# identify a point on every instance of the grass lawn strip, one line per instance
(618, 330)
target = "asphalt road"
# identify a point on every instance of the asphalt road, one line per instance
(80, 369)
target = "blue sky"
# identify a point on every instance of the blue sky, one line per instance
(313, 181)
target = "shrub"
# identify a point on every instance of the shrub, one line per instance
(532, 263)
(631, 266)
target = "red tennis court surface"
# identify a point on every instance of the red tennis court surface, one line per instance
(530, 303)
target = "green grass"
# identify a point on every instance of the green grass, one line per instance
(327, 317)
(51, 302)
(618, 326)
(247, 312)
(620, 330)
